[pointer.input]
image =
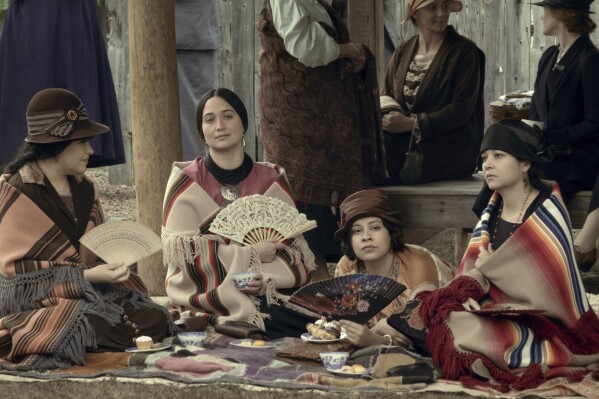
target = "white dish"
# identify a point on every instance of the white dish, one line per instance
(307, 337)
(348, 374)
(154, 348)
(239, 342)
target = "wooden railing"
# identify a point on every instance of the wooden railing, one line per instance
(427, 209)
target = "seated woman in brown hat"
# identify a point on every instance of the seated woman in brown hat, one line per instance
(56, 299)
(372, 241)
(519, 268)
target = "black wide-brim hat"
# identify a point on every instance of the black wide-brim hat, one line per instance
(516, 138)
(580, 5)
(55, 115)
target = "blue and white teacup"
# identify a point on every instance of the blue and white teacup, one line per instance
(334, 360)
(192, 338)
(241, 280)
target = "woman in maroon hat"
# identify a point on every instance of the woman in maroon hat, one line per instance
(372, 241)
(566, 101)
(56, 299)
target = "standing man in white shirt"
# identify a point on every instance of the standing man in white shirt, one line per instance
(319, 111)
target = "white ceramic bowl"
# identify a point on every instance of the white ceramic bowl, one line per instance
(241, 280)
(192, 338)
(334, 360)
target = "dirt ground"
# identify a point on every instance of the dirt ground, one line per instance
(125, 390)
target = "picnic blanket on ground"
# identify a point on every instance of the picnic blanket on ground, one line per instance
(261, 367)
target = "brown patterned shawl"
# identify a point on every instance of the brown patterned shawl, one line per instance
(199, 265)
(43, 296)
(323, 124)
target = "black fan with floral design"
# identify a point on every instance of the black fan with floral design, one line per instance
(355, 297)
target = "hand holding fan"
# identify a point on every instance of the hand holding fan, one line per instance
(256, 218)
(126, 242)
(355, 297)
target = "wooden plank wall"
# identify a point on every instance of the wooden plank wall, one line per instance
(238, 69)
(510, 32)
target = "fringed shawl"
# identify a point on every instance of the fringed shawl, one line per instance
(43, 295)
(533, 269)
(199, 264)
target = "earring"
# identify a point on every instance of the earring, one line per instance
(525, 178)
(244, 140)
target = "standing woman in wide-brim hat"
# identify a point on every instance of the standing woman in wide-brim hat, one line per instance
(436, 81)
(566, 100)
(57, 299)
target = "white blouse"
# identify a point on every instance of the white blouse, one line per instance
(298, 23)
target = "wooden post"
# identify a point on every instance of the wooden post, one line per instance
(366, 24)
(155, 117)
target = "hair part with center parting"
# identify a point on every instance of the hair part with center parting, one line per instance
(230, 97)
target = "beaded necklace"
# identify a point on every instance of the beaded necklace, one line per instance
(229, 178)
(515, 225)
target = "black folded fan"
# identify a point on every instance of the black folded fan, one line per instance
(355, 297)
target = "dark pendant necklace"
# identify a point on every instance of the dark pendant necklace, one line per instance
(230, 178)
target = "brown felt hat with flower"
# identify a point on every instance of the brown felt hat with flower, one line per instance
(363, 204)
(58, 115)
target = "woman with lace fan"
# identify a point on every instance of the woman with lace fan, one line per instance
(201, 264)
(372, 241)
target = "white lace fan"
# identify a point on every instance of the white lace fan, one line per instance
(256, 218)
(125, 241)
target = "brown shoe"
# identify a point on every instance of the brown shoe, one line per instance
(585, 260)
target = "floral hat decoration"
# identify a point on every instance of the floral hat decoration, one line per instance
(59, 115)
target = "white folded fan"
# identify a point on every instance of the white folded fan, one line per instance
(256, 218)
(124, 241)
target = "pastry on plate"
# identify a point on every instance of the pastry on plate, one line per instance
(144, 342)
(322, 329)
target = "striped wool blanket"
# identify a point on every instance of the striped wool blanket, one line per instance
(44, 298)
(198, 281)
(533, 269)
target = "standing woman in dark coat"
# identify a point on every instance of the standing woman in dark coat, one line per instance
(566, 100)
(437, 79)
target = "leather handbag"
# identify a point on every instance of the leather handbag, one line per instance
(411, 171)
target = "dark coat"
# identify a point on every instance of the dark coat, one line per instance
(449, 106)
(56, 43)
(566, 99)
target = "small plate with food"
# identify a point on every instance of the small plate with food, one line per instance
(253, 343)
(307, 337)
(153, 348)
(323, 332)
(354, 370)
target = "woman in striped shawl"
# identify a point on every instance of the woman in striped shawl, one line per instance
(56, 299)
(517, 314)
(200, 264)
